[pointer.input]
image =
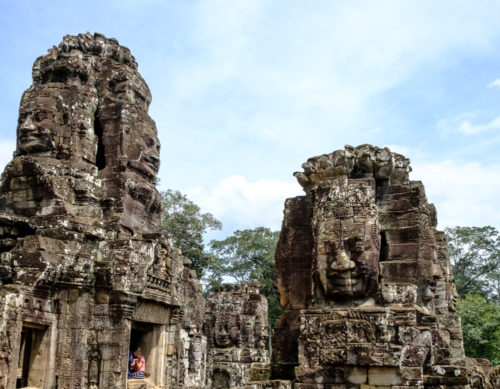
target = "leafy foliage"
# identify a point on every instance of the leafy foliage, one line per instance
(248, 255)
(475, 259)
(183, 221)
(481, 327)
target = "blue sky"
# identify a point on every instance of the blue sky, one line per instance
(245, 91)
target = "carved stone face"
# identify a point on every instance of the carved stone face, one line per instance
(225, 334)
(347, 242)
(261, 334)
(339, 278)
(144, 153)
(351, 266)
(142, 207)
(35, 128)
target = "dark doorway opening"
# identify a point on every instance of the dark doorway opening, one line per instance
(382, 186)
(141, 335)
(32, 356)
(220, 379)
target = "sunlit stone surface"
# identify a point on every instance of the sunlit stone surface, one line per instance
(84, 274)
(365, 279)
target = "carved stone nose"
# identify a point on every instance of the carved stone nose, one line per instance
(342, 262)
(28, 124)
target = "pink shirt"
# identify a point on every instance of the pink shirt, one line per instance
(140, 364)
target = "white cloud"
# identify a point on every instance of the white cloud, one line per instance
(464, 194)
(314, 65)
(243, 204)
(463, 124)
(495, 83)
(468, 129)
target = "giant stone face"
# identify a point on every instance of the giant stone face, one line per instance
(88, 108)
(143, 153)
(36, 125)
(347, 247)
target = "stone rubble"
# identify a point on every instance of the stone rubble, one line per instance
(85, 275)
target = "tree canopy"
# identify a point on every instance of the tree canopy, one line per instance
(248, 255)
(481, 327)
(475, 260)
(183, 221)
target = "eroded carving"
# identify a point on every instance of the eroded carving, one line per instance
(83, 268)
(380, 308)
(237, 331)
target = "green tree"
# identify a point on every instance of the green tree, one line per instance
(475, 260)
(183, 221)
(248, 255)
(481, 327)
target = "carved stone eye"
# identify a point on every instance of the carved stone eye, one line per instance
(150, 142)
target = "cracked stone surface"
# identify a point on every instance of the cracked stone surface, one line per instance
(85, 276)
(365, 280)
(84, 273)
(237, 332)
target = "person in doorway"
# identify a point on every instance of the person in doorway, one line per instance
(138, 366)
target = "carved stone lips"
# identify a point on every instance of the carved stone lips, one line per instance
(151, 159)
(29, 138)
(224, 340)
(147, 163)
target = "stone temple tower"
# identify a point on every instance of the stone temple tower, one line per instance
(365, 280)
(84, 273)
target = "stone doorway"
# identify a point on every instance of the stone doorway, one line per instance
(148, 330)
(221, 379)
(32, 356)
(141, 335)
(148, 337)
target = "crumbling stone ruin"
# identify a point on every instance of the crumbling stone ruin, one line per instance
(86, 277)
(376, 306)
(237, 330)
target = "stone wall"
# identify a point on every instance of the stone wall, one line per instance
(84, 272)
